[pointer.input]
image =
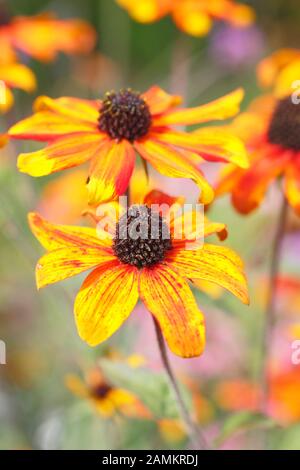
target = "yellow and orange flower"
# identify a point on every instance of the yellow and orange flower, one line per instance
(108, 133)
(280, 70)
(124, 270)
(271, 132)
(106, 399)
(14, 75)
(44, 36)
(194, 17)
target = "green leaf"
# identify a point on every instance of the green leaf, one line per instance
(152, 388)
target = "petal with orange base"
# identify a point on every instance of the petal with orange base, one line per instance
(292, 185)
(212, 144)
(191, 18)
(269, 68)
(159, 101)
(46, 125)
(146, 11)
(65, 152)
(212, 263)
(74, 108)
(288, 80)
(52, 236)
(6, 101)
(110, 172)
(105, 301)
(170, 162)
(67, 262)
(169, 298)
(225, 107)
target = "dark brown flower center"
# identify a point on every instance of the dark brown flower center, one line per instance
(101, 390)
(284, 128)
(142, 237)
(124, 115)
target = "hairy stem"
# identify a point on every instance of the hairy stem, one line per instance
(197, 439)
(271, 301)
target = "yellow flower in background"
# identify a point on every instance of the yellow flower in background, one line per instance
(154, 269)
(194, 17)
(108, 133)
(14, 75)
(271, 131)
(280, 70)
(108, 401)
(44, 36)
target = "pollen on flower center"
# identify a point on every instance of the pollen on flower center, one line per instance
(142, 237)
(284, 129)
(124, 115)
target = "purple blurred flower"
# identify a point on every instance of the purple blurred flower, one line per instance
(236, 47)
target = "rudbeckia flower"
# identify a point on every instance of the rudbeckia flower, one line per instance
(271, 131)
(108, 400)
(126, 268)
(194, 17)
(107, 133)
(44, 36)
(14, 75)
(280, 70)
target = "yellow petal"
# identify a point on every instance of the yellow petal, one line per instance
(169, 298)
(212, 263)
(104, 302)
(53, 236)
(170, 162)
(18, 76)
(220, 109)
(66, 152)
(66, 262)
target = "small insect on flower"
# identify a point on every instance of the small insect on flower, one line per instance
(109, 132)
(154, 268)
(194, 17)
(107, 400)
(271, 131)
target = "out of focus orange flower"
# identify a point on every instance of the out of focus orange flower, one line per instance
(194, 17)
(44, 36)
(283, 403)
(154, 269)
(271, 131)
(106, 399)
(14, 75)
(280, 70)
(108, 133)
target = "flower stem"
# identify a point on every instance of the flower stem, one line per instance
(197, 439)
(271, 301)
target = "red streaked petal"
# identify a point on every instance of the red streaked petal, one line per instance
(159, 101)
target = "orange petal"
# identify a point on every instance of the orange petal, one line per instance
(74, 108)
(65, 152)
(192, 19)
(104, 302)
(269, 68)
(46, 125)
(18, 76)
(111, 171)
(66, 262)
(170, 162)
(169, 298)
(292, 185)
(6, 98)
(159, 197)
(251, 187)
(159, 101)
(146, 11)
(213, 263)
(212, 144)
(286, 78)
(220, 109)
(53, 236)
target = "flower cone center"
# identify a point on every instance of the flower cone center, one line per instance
(124, 115)
(284, 128)
(142, 237)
